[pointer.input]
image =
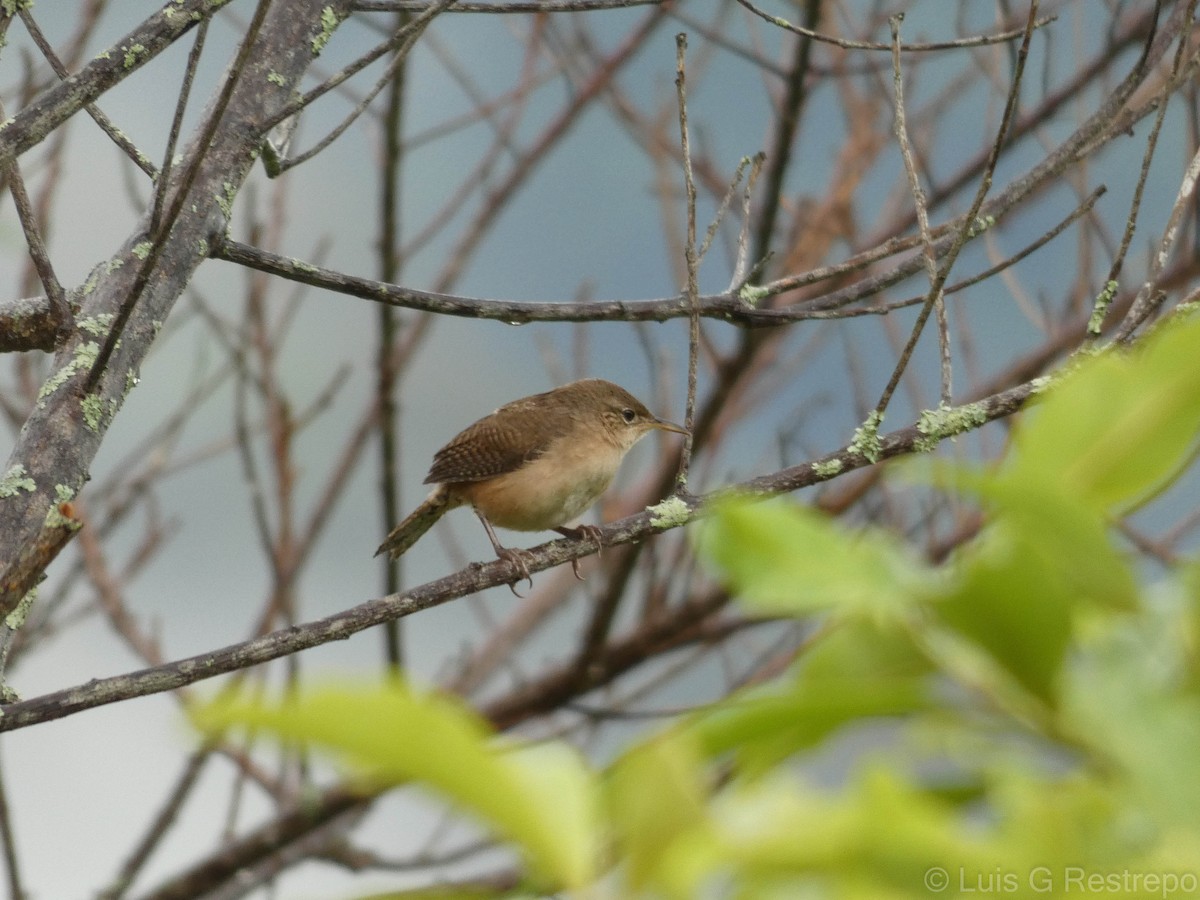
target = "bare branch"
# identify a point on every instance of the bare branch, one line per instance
(31, 125)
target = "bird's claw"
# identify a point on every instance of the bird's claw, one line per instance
(519, 559)
(583, 533)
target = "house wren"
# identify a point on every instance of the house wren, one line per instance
(533, 465)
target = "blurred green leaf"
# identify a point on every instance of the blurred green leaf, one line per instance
(1044, 557)
(1046, 706)
(542, 798)
(457, 892)
(656, 792)
(787, 559)
(853, 672)
(764, 729)
(1115, 428)
(1072, 541)
(878, 836)
(1008, 602)
(1132, 698)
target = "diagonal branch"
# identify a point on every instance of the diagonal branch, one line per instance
(54, 450)
(918, 437)
(30, 126)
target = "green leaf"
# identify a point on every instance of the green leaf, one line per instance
(542, 797)
(855, 671)
(1120, 424)
(1006, 603)
(1132, 697)
(656, 792)
(878, 837)
(790, 560)
(804, 715)
(1021, 584)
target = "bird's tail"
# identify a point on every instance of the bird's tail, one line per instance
(419, 521)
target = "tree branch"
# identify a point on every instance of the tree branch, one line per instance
(921, 436)
(57, 443)
(31, 125)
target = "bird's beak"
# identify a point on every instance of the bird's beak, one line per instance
(664, 425)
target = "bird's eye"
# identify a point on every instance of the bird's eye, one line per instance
(628, 415)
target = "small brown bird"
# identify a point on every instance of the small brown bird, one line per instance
(533, 465)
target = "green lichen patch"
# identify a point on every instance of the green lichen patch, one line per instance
(142, 249)
(866, 438)
(83, 358)
(93, 412)
(1038, 385)
(670, 513)
(170, 13)
(57, 517)
(946, 422)
(329, 24)
(980, 225)
(226, 197)
(16, 618)
(751, 294)
(132, 52)
(827, 469)
(1100, 307)
(276, 78)
(16, 479)
(97, 325)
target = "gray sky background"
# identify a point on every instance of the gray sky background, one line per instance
(588, 221)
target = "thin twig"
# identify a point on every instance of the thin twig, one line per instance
(936, 296)
(536, 6)
(692, 290)
(114, 133)
(107, 68)
(723, 206)
(390, 271)
(740, 275)
(185, 90)
(411, 35)
(1135, 204)
(969, 221)
(398, 39)
(845, 44)
(1148, 297)
(60, 308)
(158, 241)
(12, 863)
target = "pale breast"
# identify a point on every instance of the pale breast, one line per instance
(546, 492)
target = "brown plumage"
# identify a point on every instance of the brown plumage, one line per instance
(533, 464)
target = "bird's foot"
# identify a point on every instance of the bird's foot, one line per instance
(519, 559)
(582, 533)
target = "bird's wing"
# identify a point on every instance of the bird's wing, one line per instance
(496, 444)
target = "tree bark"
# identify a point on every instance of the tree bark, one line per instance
(54, 450)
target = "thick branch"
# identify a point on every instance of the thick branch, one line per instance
(58, 441)
(28, 324)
